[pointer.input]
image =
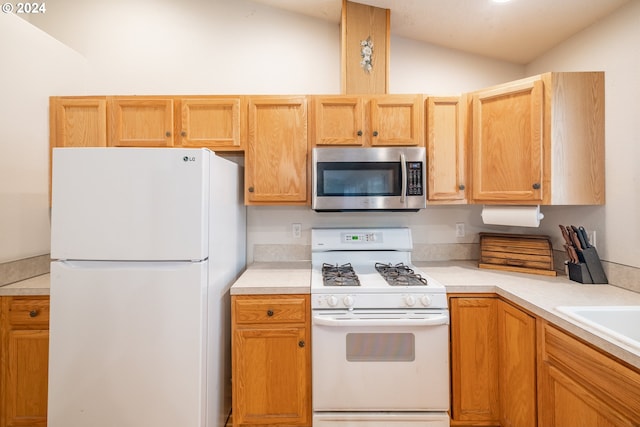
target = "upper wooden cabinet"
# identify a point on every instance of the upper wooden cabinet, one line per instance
(77, 122)
(212, 122)
(384, 120)
(276, 156)
(540, 140)
(141, 122)
(445, 130)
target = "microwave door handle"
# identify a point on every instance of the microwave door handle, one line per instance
(403, 168)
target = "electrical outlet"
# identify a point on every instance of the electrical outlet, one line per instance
(592, 238)
(459, 229)
(296, 230)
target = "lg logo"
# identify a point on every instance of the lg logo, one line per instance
(188, 159)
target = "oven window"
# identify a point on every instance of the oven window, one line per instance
(381, 347)
(359, 179)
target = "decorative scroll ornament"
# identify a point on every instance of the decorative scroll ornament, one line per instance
(366, 52)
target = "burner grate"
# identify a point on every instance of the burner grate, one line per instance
(400, 275)
(339, 275)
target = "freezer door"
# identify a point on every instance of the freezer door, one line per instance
(128, 345)
(130, 204)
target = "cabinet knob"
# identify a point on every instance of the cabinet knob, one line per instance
(168, 134)
(183, 133)
(301, 343)
(536, 185)
(269, 313)
(250, 189)
(33, 313)
(359, 133)
(375, 133)
(461, 187)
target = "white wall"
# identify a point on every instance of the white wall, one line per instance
(611, 46)
(33, 65)
(236, 46)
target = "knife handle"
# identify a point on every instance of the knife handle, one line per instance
(575, 241)
(585, 236)
(565, 234)
(583, 244)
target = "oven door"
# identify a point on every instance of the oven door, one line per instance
(389, 360)
(368, 179)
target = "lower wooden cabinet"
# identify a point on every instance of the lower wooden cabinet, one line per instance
(271, 360)
(24, 358)
(493, 363)
(517, 366)
(581, 386)
(474, 361)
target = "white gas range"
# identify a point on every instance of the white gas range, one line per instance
(380, 330)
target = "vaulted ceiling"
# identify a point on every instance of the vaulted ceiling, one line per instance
(517, 31)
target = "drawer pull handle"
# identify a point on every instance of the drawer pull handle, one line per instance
(33, 313)
(269, 313)
(301, 344)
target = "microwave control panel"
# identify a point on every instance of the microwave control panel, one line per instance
(414, 179)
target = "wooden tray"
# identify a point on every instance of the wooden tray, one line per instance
(524, 253)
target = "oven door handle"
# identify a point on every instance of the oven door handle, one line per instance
(442, 319)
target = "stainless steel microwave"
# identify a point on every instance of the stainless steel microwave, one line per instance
(360, 179)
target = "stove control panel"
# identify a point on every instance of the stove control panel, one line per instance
(362, 237)
(356, 301)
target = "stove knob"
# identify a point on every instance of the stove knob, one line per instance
(332, 301)
(348, 301)
(410, 300)
(425, 300)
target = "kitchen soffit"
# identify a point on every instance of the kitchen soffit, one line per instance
(517, 31)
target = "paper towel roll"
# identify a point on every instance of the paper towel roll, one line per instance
(519, 216)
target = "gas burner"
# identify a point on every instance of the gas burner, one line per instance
(400, 275)
(339, 275)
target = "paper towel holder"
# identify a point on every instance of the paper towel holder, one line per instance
(512, 215)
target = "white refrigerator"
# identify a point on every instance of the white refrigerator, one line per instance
(145, 244)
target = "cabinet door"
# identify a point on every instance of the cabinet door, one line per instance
(507, 147)
(276, 159)
(396, 120)
(338, 120)
(212, 123)
(271, 360)
(474, 360)
(78, 122)
(271, 376)
(580, 386)
(141, 122)
(517, 367)
(24, 351)
(445, 149)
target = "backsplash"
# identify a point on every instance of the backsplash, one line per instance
(619, 275)
(22, 269)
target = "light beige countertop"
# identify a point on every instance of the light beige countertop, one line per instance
(274, 278)
(540, 295)
(38, 285)
(537, 294)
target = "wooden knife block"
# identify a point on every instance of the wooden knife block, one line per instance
(523, 253)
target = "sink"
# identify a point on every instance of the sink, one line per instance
(619, 322)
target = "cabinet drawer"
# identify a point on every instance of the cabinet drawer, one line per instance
(262, 309)
(28, 311)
